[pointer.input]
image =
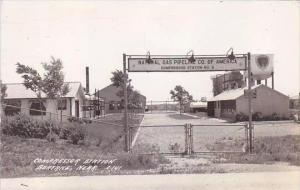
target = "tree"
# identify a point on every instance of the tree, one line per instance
(52, 83)
(3, 94)
(3, 91)
(181, 95)
(118, 81)
(118, 78)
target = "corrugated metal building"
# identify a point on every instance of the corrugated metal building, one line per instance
(232, 102)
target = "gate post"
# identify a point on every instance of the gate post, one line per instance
(246, 146)
(127, 146)
(188, 139)
(191, 139)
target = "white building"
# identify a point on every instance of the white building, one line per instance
(22, 100)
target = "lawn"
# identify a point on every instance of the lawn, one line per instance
(102, 141)
(267, 150)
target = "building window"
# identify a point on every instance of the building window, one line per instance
(35, 106)
(12, 107)
(62, 104)
(111, 106)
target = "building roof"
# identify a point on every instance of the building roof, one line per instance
(236, 93)
(296, 97)
(19, 91)
(198, 105)
(109, 93)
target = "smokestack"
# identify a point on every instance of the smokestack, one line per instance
(87, 80)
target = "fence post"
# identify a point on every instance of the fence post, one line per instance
(191, 139)
(247, 139)
(188, 139)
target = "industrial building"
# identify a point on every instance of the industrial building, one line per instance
(114, 103)
(265, 101)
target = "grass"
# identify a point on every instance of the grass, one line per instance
(101, 141)
(18, 155)
(267, 150)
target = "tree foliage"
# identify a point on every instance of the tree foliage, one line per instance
(54, 85)
(133, 96)
(52, 82)
(32, 79)
(3, 91)
(181, 95)
(118, 78)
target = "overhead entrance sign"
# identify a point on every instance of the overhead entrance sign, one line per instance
(184, 64)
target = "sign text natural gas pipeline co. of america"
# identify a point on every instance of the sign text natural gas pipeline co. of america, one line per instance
(183, 64)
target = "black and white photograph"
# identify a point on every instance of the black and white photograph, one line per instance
(154, 95)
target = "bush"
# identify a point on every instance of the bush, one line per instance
(174, 148)
(140, 161)
(79, 120)
(257, 116)
(241, 117)
(73, 131)
(24, 126)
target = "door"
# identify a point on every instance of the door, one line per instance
(77, 108)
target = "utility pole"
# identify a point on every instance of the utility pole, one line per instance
(125, 106)
(249, 102)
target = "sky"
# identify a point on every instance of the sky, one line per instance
(97, 33)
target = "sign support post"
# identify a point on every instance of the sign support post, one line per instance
(249, 102)
(125, 106)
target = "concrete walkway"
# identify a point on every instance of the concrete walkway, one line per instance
(228, 181)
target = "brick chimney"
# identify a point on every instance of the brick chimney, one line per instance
(87, 80)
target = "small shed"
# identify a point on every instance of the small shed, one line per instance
(265, 101)
(198, 106)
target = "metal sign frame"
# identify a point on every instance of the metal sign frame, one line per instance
(125, 69)
(184, 57)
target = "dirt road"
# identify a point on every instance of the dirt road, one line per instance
(204, 136)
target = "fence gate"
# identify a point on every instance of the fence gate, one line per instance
(189, 139)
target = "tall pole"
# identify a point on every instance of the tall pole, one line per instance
(272, 80)
(125, 106)
(0, 99)
(249, 102)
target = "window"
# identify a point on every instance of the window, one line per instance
(35, 106)
(13, 107)
(111, 106)
(62, 104)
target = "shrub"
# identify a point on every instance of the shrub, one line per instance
(174, 148)
(241, 117)
(275, 117)
(73, 131)
(257, 116)
(79, 120)
(52, 137)
(140, 161)
(24, 126)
